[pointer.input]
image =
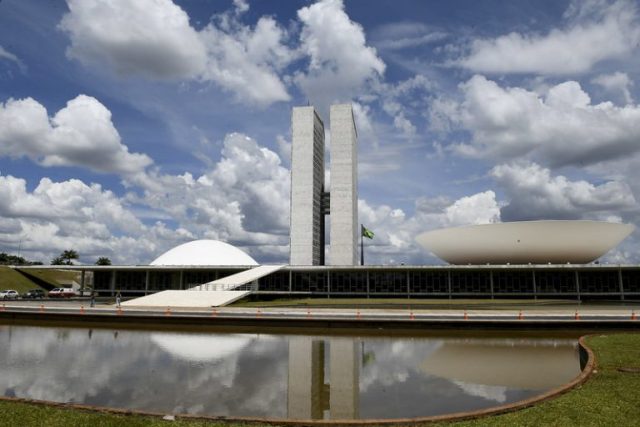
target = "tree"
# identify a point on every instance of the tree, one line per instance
(103, 260)
(57, 261)
(68, 255)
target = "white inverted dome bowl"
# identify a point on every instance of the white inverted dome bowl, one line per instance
(536, 242)
(205, 253)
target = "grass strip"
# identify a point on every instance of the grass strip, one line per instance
(609, 397)
(400, 302)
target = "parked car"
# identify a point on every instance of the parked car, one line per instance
(33, 294)
(9, 294)
(62, 293)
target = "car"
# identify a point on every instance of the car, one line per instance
(33, 294)
(9, 294)
(62, 293)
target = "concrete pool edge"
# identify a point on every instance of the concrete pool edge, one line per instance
(586, 354)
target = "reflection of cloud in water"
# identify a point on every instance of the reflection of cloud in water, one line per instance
(489, 392)
(246, 374)
(395, 358)
(132, 371)
(201, 347)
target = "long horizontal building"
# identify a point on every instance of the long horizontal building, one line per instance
(566, 281)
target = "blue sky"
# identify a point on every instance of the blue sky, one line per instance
(127, 127)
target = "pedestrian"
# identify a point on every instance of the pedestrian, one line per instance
(118, 299)
(93, 299)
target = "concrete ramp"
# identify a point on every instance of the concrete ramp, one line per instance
(187, 299)
(213, 294)
(238, 280)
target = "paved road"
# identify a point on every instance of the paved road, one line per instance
(559, 313)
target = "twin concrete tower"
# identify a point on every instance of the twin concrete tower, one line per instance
(310, 201)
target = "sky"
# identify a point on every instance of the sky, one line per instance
(130, 126)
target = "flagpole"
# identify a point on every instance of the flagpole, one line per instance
(361, 245)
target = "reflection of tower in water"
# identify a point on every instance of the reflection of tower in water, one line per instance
(308, 395)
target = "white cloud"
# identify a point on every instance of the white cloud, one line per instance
(395, 231)
(561, 128)
(534, 193)
(246, 61)
(403, 35)
(617, 83)
(403, 100)
(340, 60)
(241, 6)
(595, 31)
(480, 208)
(71, 214)
(81, 134)
(244, 200)
(154, 38)
(5, 54)
(149, 37)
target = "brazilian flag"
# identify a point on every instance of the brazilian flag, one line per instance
(366, 232)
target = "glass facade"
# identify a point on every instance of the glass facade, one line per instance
(436, 282)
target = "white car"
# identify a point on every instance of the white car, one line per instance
(62, 293)
(9, 294)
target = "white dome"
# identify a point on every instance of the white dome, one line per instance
(537, 242)
(204, 252)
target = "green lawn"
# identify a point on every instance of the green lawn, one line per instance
(11, 279)
(399, 302)
(609, 397)
(52, 276)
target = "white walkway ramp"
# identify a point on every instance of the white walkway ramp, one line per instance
(238, 280)
(187, 299)
(213, 294)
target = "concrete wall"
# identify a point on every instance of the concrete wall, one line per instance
(344, 187)
(307, 181)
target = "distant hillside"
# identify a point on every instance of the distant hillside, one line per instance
(50, 279)
(11, 279)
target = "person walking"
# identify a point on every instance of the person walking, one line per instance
(93, 299)
(118, 299)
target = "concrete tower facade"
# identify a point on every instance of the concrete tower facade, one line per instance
(344, 186)
(307, 184)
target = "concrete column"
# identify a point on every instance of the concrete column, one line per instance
(307, 187)
(344, 187)
(344, 365)
(620, 281)
(491, 282)
(113, 282)
(578, 284)
(367, 283)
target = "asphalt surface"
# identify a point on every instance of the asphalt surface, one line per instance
(628, 313)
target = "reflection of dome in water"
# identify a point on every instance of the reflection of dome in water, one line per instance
(200, 347)
(204, 252)
(528, 367)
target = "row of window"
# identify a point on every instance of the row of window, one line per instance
(392, 282)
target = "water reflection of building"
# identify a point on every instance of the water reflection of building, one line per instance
(308, 396)
(506, 363)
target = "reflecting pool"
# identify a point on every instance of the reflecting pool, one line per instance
(278, 375)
